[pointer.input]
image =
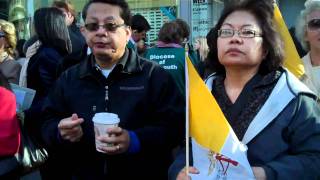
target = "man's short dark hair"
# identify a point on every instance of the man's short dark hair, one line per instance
(139, 23)
(124, 13)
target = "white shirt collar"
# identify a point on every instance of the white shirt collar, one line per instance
(105, 72)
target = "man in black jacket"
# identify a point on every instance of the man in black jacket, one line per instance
(113, 79)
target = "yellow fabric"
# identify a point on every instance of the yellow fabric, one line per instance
(292, 60)
(208, 125)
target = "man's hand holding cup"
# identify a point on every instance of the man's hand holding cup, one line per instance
(117, 140)
(110, 138)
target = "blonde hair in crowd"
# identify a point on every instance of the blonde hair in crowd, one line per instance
(203, 47)
(10, 36)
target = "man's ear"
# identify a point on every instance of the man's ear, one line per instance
(129, 32)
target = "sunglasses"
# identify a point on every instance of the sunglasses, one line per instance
(314, 24)
(2, 34)
(111, 27)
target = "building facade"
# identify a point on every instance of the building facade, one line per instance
(201, 15)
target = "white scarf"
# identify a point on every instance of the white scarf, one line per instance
(311, 79)
(30, 52)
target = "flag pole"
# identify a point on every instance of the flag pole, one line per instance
(187, 108)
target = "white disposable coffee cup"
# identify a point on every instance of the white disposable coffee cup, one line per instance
(102, 121)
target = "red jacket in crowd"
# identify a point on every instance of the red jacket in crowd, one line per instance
(9, 127)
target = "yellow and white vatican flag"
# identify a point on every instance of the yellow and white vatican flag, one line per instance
(217, 152)
(292, 60)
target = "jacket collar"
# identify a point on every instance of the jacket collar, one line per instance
(270, 78)
(129, 63)
(288, 86)
(162, 44)
(270, 109)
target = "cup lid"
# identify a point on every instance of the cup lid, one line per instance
(106, 118)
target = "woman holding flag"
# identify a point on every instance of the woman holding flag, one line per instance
(272, 113)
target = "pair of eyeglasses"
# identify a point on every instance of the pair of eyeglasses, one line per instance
(2, 34)
(244, 33)
(314, 24)
(111, 27)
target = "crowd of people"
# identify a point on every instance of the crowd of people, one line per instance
(105, 66)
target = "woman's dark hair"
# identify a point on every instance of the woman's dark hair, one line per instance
(272, 43)
(125, 11)
(171, 32)
(184, 27)
(19, 47)
(51, 29)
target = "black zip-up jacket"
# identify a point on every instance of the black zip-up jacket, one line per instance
(147, 102)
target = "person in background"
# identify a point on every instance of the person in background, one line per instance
(201, 46)
(169, 53)
(308, 32)
(249, 83)
(139, 27)
(113, 79)
(29, 50)
(185, 30)
(42, 68)
(202, 49)
(19, 54)
(9, 132)
(77, 40)
(8, 41)
(185, 42)
(141, 47)
(79, 47)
